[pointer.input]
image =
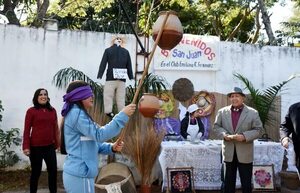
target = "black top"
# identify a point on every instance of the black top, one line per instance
(116, 57)
(291, 125)
(185, 124)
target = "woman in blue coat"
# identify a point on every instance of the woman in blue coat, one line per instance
(84, 139)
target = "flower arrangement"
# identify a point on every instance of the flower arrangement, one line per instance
(262, 177)
(167, 105)
(181, 181)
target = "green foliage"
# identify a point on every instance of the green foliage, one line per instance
(263, 101)
(7, 139)
(197, 17)
(152, 84)
(206, 18)
(77, 8)
(290, 30)
(1, 109)
(93, 15)
(64, 76)
(203, 17)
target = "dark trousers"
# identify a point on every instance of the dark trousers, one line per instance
(297, 159)
(37, 155)
(245, 171)
(298, 164)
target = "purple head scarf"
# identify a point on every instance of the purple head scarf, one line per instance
(77, 94)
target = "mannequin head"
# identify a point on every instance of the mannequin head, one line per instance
(117, 40)
(193, 110)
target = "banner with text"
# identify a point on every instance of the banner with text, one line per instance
(193, 52)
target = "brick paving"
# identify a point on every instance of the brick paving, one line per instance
(154, 190)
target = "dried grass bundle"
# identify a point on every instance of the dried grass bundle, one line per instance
(142, 145)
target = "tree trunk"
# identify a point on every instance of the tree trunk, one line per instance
(267, 22)
(237, 28)
(8, 11)
(256, 34)
(12, 18)
(214, 21)
(41, 12)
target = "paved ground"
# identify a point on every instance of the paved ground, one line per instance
(62, 191)
(39, 191)
(155, 190)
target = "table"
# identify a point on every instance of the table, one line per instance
(205, 158)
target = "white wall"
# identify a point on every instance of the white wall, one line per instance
(30, 57)
(263, 66)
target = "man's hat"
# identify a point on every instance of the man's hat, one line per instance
(236, 90)
(205, 101)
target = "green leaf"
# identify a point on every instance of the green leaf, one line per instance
(64, 76)
(263, 101)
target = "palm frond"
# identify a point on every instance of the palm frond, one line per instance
(254, 93)
(263, 101)
(152, 84)
(66, 75)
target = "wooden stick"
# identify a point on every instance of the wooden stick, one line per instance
(146, 67)
(150, 58)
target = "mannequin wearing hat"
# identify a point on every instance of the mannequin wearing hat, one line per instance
(191, 125)
(118, 62)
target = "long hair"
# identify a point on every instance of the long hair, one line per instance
(72, 86)
(36, 103)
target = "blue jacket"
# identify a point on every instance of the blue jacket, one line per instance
(84, 140)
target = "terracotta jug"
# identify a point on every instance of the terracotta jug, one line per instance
(172, 31)
(145, 189)
(148, 105)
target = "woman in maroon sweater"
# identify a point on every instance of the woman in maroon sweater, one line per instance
(40, 139)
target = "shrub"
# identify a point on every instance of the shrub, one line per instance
(7, 139)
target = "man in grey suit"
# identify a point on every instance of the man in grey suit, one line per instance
(238, 125)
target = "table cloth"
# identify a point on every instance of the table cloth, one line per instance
(205, 158)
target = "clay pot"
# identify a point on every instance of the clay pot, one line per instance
(148, 105)
(115, 173)
(145, 189)
(172, 31)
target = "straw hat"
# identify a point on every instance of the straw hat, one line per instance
(122, 38)
(205, 101)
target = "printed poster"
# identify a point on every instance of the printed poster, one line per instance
(193, 52)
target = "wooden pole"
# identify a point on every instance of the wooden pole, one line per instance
(146, 68)
(150, 59)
